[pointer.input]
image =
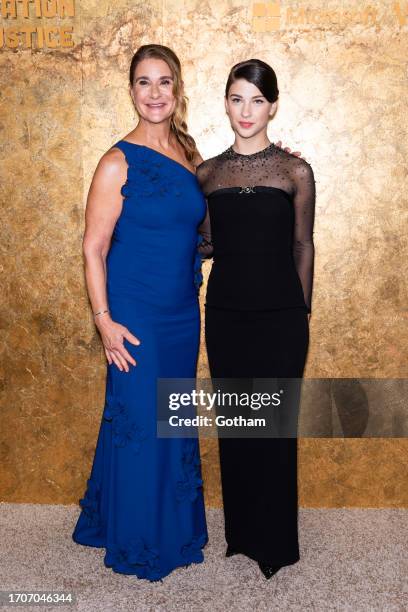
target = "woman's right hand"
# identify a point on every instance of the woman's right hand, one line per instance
(112, 335)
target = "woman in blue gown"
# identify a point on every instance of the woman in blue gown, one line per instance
(144, 500)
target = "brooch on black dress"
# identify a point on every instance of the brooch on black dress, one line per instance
(247, 190)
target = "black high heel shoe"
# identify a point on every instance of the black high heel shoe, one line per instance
(268, 570)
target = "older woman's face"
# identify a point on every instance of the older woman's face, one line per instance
(152, 90)
(248, 109)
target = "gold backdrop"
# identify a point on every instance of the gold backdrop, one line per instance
(343, 99)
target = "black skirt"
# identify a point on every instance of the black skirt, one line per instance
(259, 475)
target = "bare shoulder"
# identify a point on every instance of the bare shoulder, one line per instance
(112, 161)
(111, 169)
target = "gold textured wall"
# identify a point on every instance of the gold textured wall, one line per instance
(343, 95)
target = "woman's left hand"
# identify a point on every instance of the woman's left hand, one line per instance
(297, 153)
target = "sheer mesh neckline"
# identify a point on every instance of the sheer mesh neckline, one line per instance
(230, 152)
(273, 170)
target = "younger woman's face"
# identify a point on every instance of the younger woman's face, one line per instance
(248, 109)
(152, 90)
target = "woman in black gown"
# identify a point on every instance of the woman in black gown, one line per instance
(261, 202)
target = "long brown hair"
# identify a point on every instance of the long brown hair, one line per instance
(178, 123)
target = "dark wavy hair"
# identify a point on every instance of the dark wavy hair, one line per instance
(258, 73)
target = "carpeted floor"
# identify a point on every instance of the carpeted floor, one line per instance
(351, 560)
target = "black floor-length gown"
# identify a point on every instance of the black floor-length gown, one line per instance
(260, 233)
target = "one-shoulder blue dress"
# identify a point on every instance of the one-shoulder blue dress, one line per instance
(144, 498)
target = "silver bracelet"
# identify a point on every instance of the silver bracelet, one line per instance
(100, 312)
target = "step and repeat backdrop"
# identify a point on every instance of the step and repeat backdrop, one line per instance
(64, 100)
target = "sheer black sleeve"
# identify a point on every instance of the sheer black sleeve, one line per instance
(205, 246)
(303, 246)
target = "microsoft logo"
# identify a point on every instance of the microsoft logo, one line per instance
(271, 16)
(266, 16)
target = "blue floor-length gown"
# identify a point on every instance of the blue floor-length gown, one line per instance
(144, 500)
